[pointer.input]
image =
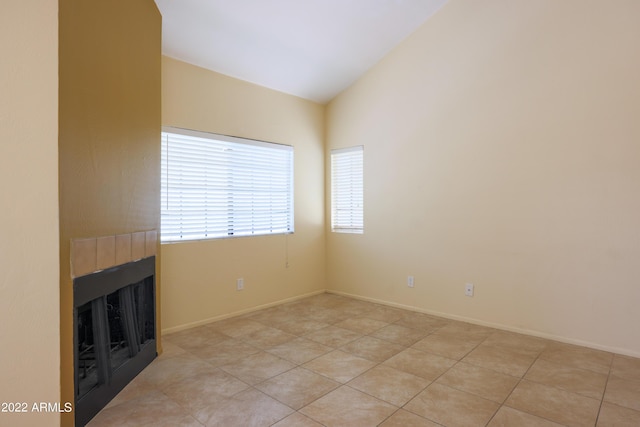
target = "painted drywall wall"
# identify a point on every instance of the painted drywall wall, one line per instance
(109, 118)
(199, 278)
(502, 148)
(29, 264)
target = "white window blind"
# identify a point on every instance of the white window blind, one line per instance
(217, 186)
(347, 185)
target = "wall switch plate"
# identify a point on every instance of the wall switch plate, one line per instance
(468, 289)
(240, 284)
(410, 281)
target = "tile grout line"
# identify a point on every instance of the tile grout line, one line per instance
(604, 392)
(398, 408)
(520, 379)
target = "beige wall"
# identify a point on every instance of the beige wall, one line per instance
(29, 310)
(199, 278)
(109, 131)
(502, 148)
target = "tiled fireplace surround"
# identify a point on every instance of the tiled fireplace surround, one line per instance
(93, 254)
(115, 255)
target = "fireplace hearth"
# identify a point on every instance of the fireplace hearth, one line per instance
(114, 332)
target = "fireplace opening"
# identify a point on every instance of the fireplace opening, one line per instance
(114, 332)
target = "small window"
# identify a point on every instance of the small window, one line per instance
(216, 186)
(347, 198)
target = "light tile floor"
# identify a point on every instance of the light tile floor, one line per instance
(328, 360)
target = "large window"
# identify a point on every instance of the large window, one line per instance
(347, 190)
(217, 186)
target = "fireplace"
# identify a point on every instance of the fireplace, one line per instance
(114, 332)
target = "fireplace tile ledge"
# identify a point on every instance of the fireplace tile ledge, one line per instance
(89, 255)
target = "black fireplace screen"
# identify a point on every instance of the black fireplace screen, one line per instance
(114, 332)
(111, 330)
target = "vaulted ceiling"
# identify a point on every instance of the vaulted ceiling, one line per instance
(313, 49)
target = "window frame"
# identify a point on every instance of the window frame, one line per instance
(347, 190)
(219, 190)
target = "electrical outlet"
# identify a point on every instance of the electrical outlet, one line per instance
(468, 289)
(410, 281)
(239, 284)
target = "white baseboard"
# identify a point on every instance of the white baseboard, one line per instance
(190, 325)
(533, 333)
(552, 337)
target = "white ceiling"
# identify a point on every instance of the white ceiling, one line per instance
(313, 49)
